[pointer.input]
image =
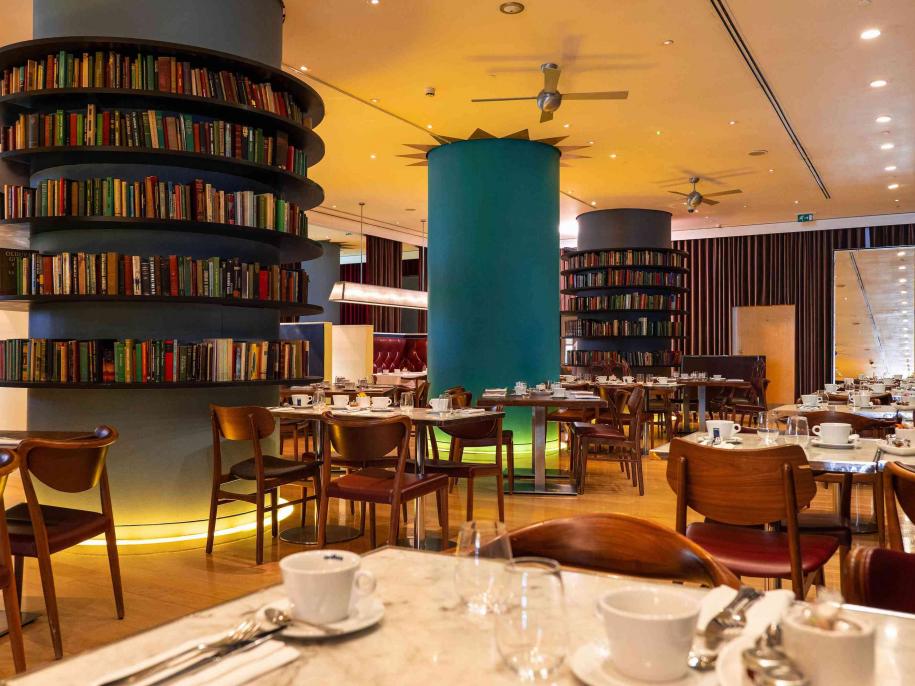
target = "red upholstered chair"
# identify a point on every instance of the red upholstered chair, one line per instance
(9, 462)
(881, 578)
(898, 490)
(739, 489)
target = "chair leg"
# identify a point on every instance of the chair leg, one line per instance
(18, 573)
(274, 525)
(470, 499)
(372, 540)
(114, 566)
(394, 529)
(211, 525)
(500, 496)
(641, 476)
(322, 521)
(50, 602)
(443, 493)
(511, 466)
(403, 512)
(259, 538)
(14, 622)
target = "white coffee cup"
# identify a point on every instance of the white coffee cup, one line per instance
(717, 377)
(323, 585)
(559, 392)
(300, 400)
(603, 379)
(341, 400)
(810, 399)
(661, 380)
(725, 428)
(878, 388)
(831, 387)
(833, 433)
(439, 404)
(830, 657)
(628, 379)
(649, 631)
(381, 401)
(363, 401)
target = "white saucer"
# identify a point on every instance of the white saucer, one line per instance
(591, 664)
(367, 612)
(817, 442)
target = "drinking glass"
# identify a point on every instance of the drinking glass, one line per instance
(640, 378)
(447, 404)
(798, 432)
(483, 547)
(767, 427)
(675, 374)
(530, 625)
(406, 400)
(318, 397)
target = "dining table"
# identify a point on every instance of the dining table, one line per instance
(886, 412)
(539, 403)
(422, 418)
(426, 636)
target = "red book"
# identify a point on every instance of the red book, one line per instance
(173, 277)
(73, 133)
(164, 71)
(263, 285)
(197, 137)
(106, 128)
(47, 275)
(128, 274)
(199, 201)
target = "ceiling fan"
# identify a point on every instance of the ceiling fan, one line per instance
(694, 198)
(549, 99)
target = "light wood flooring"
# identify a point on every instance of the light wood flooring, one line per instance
(161, 585)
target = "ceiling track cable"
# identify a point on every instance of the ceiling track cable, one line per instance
(721, 9)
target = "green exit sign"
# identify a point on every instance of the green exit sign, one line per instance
(805, 217)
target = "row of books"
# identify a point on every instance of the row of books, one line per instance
(624, 301)
(45, 360)
(26, 272)
(622, 278)
(154, 130)
(623, 327)
(606, 258)
(136, 71)
(589, 358)
(152, 198)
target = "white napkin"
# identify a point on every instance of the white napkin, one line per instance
(902, 451)
(471, 410)
(495, 391)
(765, 611)
(230, 671)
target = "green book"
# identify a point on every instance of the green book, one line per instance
(84, 361)
(160, 131)
(188, 131)
(118, 362)
(80, 129)
(59, 120)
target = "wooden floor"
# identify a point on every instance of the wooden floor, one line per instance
(163, 585)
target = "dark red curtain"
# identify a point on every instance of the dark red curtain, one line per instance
(383, 267)
(422, 320)
(774, 269)
(349, 313)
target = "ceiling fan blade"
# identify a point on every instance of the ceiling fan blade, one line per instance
(526, 97)
(706, 201)
(597, 95)
(551, 79)
(733, 192)
(678, 193)
(546, 116)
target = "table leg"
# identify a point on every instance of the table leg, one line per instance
(700, 393)
(684, 411)
(419, 525)
(540, 484)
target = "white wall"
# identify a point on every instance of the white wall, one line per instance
(13, 401)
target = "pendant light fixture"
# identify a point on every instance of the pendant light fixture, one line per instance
(362, 293)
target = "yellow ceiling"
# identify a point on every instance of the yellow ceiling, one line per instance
(690, 91)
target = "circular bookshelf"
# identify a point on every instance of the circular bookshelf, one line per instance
(292, 248)
(312, 105)
(293, 187)
(586, 312)
(134, 386)
(22, 303)
(628, 267)
(655, 289)
(605, 338)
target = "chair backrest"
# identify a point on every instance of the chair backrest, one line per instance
(364, 439)
(70, 465)
(898, 487)
(620, 544)
(421, 396)
(881, 578)
(858, 422)
(460, 398)
(744, 487)
(242, 423)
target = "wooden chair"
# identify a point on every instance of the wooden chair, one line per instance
(363, 446)
(252, 423)
(9, 462)
(898, 489)
(881, 578)
(35, 530)
(614, 436)
(620, 544)
(738, 489)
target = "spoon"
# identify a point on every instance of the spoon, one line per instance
(279, 617)
(701, 662)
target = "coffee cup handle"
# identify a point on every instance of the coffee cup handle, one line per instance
(737, 428)
(816, 429)
(364, 583)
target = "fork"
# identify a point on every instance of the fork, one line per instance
(239, 634)
(731, 617)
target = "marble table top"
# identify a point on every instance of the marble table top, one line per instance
(874, 412)
(423, 638)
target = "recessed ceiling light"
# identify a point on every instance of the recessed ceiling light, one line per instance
(428, 126)
(565, 126)
(612, 155)
(334, 206)
(590, 142)
(771, 171)
(890, 167)
(658, 132)
(303, 68)
(593, 203)
(878, 83)
(901, 280)
(511, 8)
(902, 267)
(372, 156)
(668, 42)
(883, 119)
(887, 146)
(796, 202)
(870, 34)
(374, 99)
(893, 186)
(732, 122)
(374, 2)
(901, 253)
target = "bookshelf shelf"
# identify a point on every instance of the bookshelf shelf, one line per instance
(607, 338)
(293, 187)
(579, 313)
(628, 267)
(11, 106)
(22, 303)
(155, 386)
(292, 248)
(19, 53)
(624, 289)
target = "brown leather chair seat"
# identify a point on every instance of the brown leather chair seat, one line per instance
(881, 578)
(751, 552)
(66, 527)
(597, 430)
(275, 467)
(568, 415)
(374, 484)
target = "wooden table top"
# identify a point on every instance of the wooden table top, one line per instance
(511, 400)
(418, 415)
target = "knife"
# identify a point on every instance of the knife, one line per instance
(213, 658)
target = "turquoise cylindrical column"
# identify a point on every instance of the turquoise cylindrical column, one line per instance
(493, 267)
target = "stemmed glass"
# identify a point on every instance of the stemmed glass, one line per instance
(767, 427)
(483, 547)
(531, 632)
(798, 432)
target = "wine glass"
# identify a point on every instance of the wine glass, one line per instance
(483, 547)
(531, 632)
(767, 427)
(798, 432)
